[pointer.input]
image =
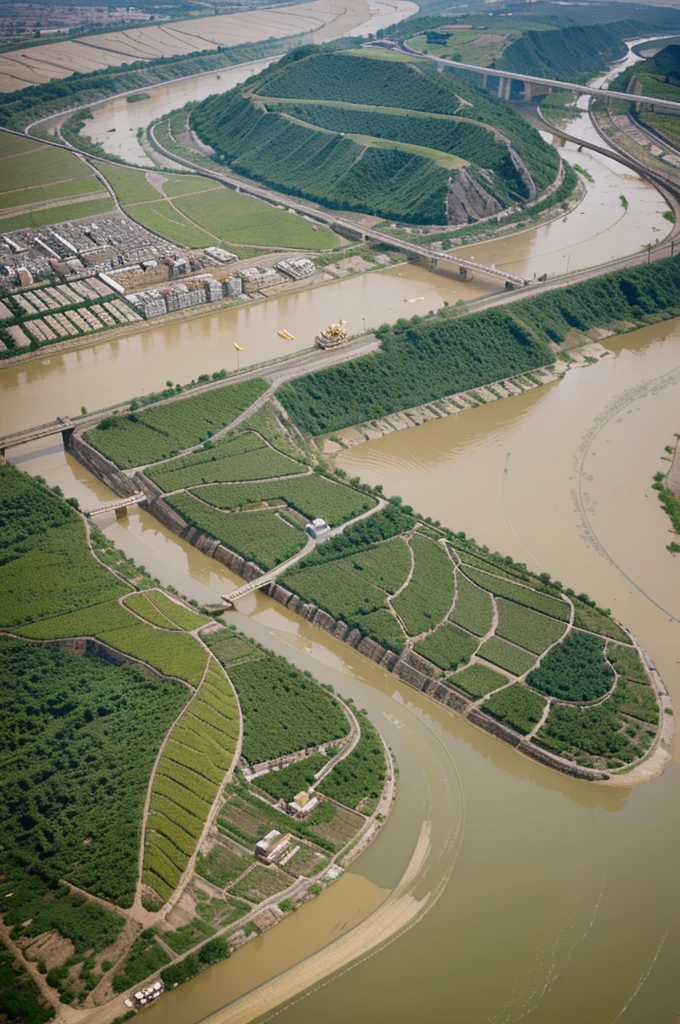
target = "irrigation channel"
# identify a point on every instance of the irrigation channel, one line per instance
(513, 893)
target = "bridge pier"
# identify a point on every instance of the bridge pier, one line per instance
(3, 456)
(433, 264)
(66, 436)
(465, 273)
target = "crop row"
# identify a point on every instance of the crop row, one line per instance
(521, 595)
(162, 430)
(260, 537)
(575, 670)
(313, 496)
(387, 565)
(284, 710)
(448, 647)
(527, 628)
(246, 457)
(517, 706)
(505, 655)
(473, 609)
(430, 592)
(477, 680)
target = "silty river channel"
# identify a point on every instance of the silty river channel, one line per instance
(498, 891)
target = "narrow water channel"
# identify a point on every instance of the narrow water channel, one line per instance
(555, 900)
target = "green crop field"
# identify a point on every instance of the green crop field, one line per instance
(517, 706)
(261, 882)
(595, 622)
(243, 219)
(261, 537)
(473, 609)
(284, 710)
(312, 496)
(596, 731)
(184, 184)
(627, 662)
(174, 654)
(197, 756)
(429, 595)
(521, 595)
(38, 165)
(162, 430)
(289, 781)
(477, 680)
(503, 654)
(110, 724)
(358, 780)
(342, 593)
(382, 627)
(56, 214)
(527, 628)
(25, 196)
(130, 186)
(162, 218)
(448, 647)
(574, 670)
(387, 566)
(246, 457)
(223, 863)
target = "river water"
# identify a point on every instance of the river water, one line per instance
(515, 894)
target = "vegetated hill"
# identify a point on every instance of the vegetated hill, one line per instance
(391, 138)
(657, 76)
(426, 358)
(570, 53)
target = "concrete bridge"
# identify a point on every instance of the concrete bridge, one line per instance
(62, 425)
(115, 506)
(535, 85)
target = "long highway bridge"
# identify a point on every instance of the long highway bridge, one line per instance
(542, 85)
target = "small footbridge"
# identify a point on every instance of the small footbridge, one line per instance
(248, 588)
(115, 506)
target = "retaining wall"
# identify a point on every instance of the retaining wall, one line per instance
(410, 667)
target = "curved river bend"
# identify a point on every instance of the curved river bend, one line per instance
(515, 894)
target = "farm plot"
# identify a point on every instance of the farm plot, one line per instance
(262, 882)
(243, 219)
(517, 706)
(106, 723)
(225, 862)
(558, 609)
(312, 496)
(429, 595)
(512, 659)
(246, 457)
(334, 824)
(473, 609)
(246, 819)
(188, 935)
(387, 565)
(448, 647)
(595, 622)
(262, 537)
(574, 670)
(597, 731)
(358, 780)
(382, 627)
(284, 710)
(637, 700)
(162, 430)
(307, 861)
(527, 628)
(291, 780)
(174, 654)
(196, 758)
(342, 593)
(627, 662)
(477, 680)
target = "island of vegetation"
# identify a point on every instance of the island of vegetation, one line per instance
(522, 656)
(357, 130)
(146, 751)
(667, 486)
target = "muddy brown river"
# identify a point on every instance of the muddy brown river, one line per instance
(498, 891)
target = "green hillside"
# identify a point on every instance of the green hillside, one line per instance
(570, 53)
(390, 138)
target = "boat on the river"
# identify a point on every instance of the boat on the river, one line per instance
(286, 334)
(333, 336)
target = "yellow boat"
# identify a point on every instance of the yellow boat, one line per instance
(287, 335)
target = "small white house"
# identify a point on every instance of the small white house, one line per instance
(317, 528)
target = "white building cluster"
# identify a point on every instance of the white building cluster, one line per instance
(182, 294)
